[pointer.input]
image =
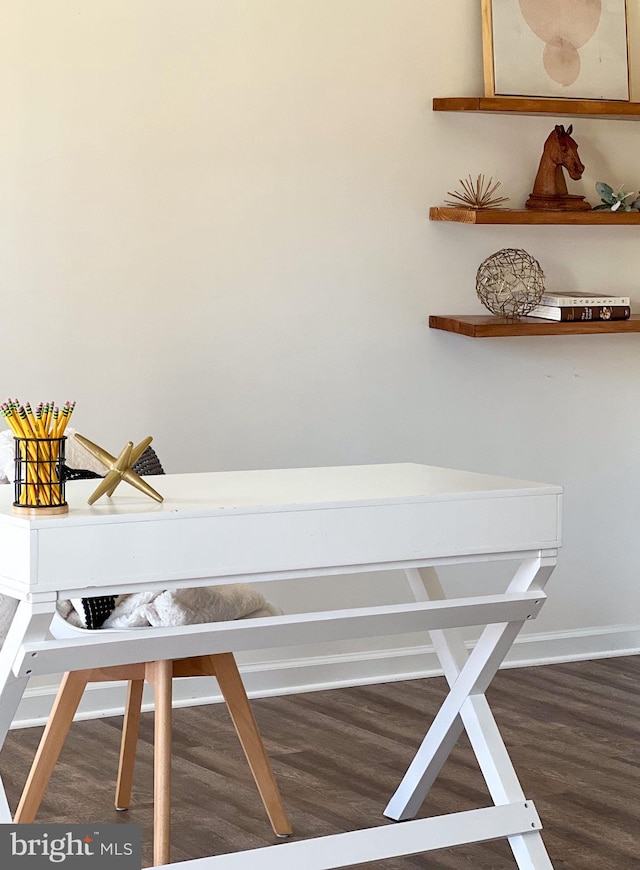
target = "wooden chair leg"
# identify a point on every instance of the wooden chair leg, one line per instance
(235, 696)
(64, 708)
(160, 675)
(128, 744)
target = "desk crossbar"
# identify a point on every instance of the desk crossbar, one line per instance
(382, 842)
(102, 648)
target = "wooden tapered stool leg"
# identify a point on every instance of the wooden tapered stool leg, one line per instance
(160, 675)
(235, 696)
(128, 744)
(64, 708)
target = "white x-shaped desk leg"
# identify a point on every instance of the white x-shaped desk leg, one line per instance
(30, 623)
(466, 708)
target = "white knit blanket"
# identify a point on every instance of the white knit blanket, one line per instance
(189, 606)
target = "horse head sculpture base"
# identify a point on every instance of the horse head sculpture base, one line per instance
(567, 202)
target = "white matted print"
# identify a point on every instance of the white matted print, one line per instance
(556, 48)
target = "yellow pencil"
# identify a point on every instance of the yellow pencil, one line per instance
(17, 423)
(26, 423)
(26, 496)
(71, 407)
(59, 421)
(65, 413)
(45, 419)
(59, 428)
(50, 455)
(40, 465)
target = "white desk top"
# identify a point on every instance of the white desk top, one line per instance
(276, 491)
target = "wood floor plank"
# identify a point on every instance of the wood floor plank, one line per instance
(573, 731)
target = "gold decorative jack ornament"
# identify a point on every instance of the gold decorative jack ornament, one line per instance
(119, 468)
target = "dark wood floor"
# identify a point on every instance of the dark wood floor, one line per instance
(573, 731)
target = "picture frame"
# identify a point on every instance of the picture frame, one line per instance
(574, 49)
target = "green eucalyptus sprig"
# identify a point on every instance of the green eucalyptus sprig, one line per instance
(616, 200)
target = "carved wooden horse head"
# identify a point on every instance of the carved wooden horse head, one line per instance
(550, 187)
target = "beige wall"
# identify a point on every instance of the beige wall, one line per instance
(221, 206)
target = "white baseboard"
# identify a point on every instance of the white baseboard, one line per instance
(290, 676)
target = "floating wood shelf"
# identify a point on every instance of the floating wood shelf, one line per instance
(532, 216)
(490, 326)
(613, 109)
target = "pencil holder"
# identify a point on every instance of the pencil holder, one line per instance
(39, 478)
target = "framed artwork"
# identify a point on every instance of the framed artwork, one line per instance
(556, 48)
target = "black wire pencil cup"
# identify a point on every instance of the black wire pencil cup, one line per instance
(39, 485)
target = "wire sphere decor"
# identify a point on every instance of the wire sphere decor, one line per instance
(510, 283)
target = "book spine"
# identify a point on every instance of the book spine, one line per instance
(572, 301)
(567, 314)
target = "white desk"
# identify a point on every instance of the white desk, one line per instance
(305, 523)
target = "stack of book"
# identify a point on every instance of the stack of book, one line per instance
(569, 307)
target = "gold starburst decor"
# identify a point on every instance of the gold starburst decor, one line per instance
(119, 468)
(478, 194)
